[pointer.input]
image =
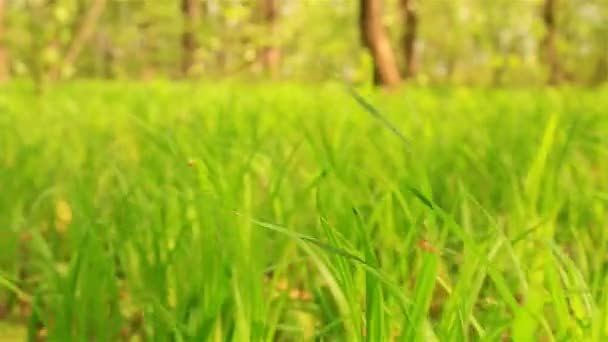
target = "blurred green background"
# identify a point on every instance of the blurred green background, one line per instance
(472, 42)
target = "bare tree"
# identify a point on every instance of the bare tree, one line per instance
(408, 40)
(3, 53)
(191, 12)
(375, 39)
(86, 29)
(270, 53)
(548, 44)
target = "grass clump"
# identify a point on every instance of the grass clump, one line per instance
(181, 212)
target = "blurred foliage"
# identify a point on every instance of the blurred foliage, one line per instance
(460, 42)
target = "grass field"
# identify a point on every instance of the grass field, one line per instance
(280, 213)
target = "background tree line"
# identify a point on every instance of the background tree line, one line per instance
(498, 42)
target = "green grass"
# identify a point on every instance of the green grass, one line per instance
(282, 213)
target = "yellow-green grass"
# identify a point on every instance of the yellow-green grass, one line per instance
(182, 212)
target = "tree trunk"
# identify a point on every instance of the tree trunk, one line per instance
(410, 22)
(81, 37)
(548, 44)
(105, 55)
(601, 69)
(3, 51)
(191, 14)
(270, 54)
(375, 39)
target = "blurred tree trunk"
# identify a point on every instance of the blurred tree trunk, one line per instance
(375, 39)
(85, 31)
(270, 54)
(191, 13)
(548, 45)
(105, 55)
(601, 69)
(408, 41)
(3, 51)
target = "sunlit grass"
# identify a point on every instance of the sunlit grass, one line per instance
(182, 212)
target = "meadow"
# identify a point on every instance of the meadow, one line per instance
(184, 212)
